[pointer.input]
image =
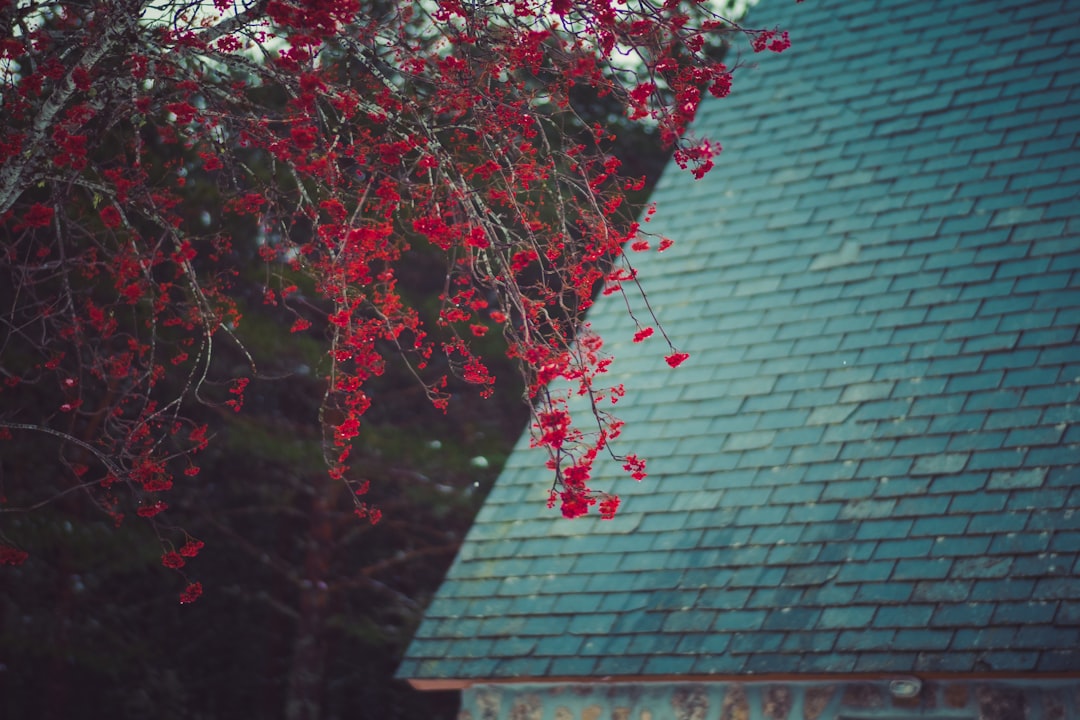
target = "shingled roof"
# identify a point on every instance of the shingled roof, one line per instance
(869, 462)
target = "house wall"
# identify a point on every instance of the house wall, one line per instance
(869, 700)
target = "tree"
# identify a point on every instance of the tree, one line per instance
(154, 153)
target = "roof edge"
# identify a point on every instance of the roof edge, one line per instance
(434, 684)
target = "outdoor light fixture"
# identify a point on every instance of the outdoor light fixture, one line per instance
(905, 687)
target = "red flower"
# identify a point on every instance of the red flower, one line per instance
(38, 216)
(81, 78)
(771, 40)
(12, 556)
(635, 466)
(334, 209)
(149, 511)
(304, 137)
(172, 560)
(373, 514)
(608, 507)
(110, 216)
(721, 86)
(348, 429)
(477, 238)
(642, 334)
(184, 112)
(191, 548)
(676, 359)
(191, 593)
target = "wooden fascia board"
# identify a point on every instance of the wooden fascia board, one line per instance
(463, 683)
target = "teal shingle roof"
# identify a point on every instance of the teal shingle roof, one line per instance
(870, 462)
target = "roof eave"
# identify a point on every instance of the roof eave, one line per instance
(443, 684)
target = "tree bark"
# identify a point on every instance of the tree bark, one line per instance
(307, 672)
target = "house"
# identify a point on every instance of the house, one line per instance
(864, 492)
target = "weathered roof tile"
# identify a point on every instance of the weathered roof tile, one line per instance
(984, 567)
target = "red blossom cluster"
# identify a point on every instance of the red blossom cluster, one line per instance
(12, 556)
(340, 134)
(773, 40)
(191, 593)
